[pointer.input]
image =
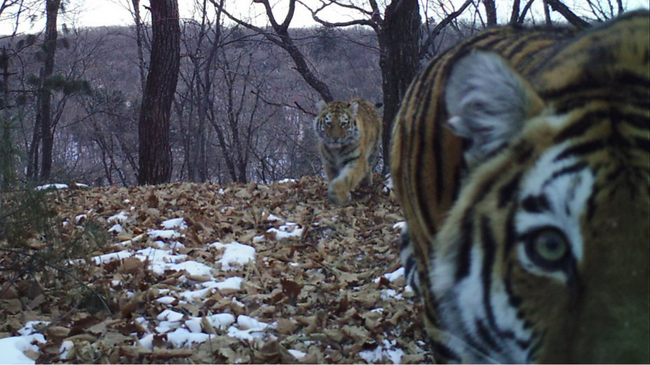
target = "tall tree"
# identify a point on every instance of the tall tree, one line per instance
(399, 60)
(44, 100)
(153, 129)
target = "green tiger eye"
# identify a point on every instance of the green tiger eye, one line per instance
(551, 245)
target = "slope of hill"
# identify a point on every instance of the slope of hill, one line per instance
(237, 273)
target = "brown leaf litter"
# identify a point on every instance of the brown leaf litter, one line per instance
(315, 292)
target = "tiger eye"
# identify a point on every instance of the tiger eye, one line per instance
(550, 245)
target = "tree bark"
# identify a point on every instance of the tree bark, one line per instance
(44, 94)
(490, 12)
(570, 16)
(155, 148)
(399, 61)
(138, 40)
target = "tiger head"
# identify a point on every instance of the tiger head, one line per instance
(336, 122)
(545, 255)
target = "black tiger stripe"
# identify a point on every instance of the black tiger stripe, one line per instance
(486, 337)
(489, 255)
(444, 353)
(576, 167)
(350, 159)
(418, 152)
(466, 240)
(509, 190)
(578, 129)
(536, 204)
(581, 149)
(511, 235)
(642, 143)
(349, 148)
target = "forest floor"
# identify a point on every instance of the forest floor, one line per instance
(201, 273)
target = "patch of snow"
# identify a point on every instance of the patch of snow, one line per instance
(392, 276)
(230, 283)
(164, 234)
(284, 181)
(166, 300)
(184, 338)
(13, 348)
(258, 239)
(117, 228)
(234, 300)
(192, 295)
(166, 326)
(297, 354)
(236, 254)
(176, 223)
(51, 186)
(169, 315)
(286, 231)
(274, 218)
(208, 287)
(194, 325)
(390, 293)
(388, 350)
(65, 348)
(252, 328)
(251, 323)
(193, 268)
(147, 342)
(216, 245)
(221, 192)
(221, 320)
(102, 259)
(78, 218)
(29, 329)
(120, 217)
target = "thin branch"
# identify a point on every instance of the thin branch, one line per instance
(570, 16)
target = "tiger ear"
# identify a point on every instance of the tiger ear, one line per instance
(488, 103)
(354, 108)
(320, 105)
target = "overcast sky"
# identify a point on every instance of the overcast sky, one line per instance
(91, 13)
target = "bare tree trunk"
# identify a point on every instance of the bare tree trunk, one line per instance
(547, 13)
(514, 15)
(138, 40)
(490, 12)
(399, 38)
(153, 128)
(44, 95)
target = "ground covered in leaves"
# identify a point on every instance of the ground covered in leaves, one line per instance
(202, 273)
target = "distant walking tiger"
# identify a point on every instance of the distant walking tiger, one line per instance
(521, 160)
(349, 135)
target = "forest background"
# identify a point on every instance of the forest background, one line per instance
(244, 100)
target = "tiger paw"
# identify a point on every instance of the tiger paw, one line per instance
(338, 196)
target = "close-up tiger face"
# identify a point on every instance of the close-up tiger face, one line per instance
(521, 159)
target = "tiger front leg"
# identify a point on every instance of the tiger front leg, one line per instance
(348, 179)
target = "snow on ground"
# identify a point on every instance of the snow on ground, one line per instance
(176, 223)
(12, 349)
(182, 329)
(392, 276)
(285, 231)
(120, 217)
(236, 255)
(381, 353)
(51, 186)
